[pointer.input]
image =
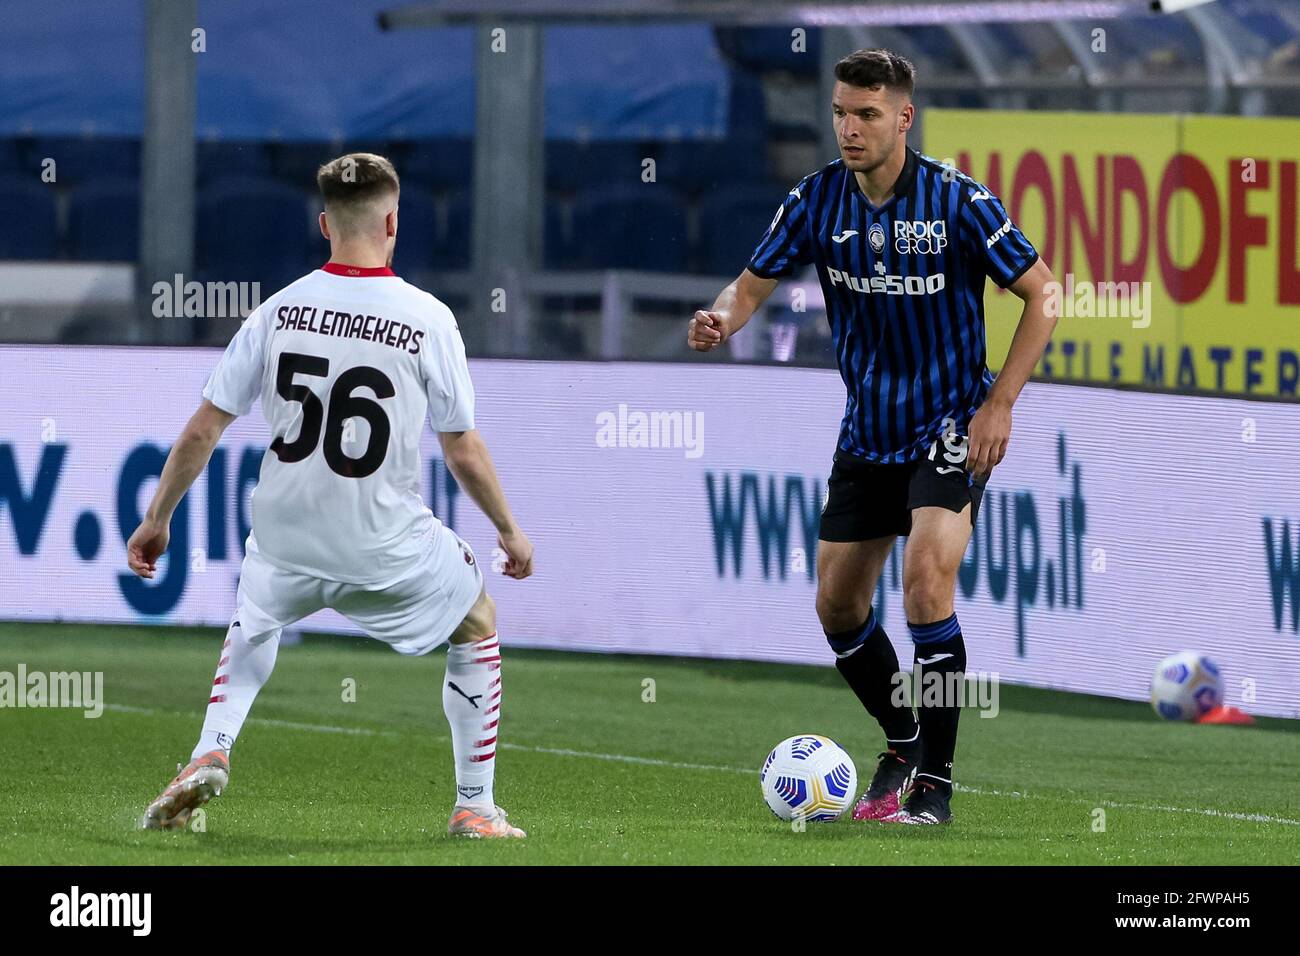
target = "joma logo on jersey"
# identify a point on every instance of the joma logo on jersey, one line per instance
(887, 284)
(923, 236)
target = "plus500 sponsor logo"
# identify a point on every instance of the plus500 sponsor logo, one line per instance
(887, 284)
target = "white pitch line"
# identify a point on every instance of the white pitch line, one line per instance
(366, 732)
(269, 721)
(625, 758)
(679, 765)
(1227, 814)
(1250, 817)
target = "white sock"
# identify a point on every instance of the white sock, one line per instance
(241, 672)
(471, 699)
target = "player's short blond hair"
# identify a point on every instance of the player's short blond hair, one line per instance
(353, 185)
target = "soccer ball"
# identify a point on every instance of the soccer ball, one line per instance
(1185, 686)
(810, 777)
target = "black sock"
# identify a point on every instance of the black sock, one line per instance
(940, 651)
(869, 664)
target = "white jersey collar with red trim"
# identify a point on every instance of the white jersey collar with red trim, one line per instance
(341, 269)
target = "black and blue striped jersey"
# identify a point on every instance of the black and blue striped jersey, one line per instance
(904, 288)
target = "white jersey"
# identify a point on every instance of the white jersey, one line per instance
(348, 363)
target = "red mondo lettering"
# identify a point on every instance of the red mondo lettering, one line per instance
(1187, 173)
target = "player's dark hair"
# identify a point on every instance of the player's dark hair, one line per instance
(877, 68)
(356, 178)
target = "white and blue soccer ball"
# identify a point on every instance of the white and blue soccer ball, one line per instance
(1185, 686)
(810, 777)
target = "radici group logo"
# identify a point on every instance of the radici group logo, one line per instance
(1010, 558)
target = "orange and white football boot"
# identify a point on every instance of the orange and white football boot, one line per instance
(471, 823)
(204, 778)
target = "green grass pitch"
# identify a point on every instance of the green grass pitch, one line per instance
(596, 774)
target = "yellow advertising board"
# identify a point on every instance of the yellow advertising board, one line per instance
(1173, 240)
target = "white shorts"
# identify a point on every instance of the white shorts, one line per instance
(414, 614)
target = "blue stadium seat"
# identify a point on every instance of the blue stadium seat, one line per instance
(560, 251)
(455, 240)
(1263, 20)
(935, 44)
(81, 160)
(222, 159)
(417, 231)
(1014, 44)
(11, 157)
(747, 108)
(631, 227)
(573, 167)
(28, 220)
(253, 230)
(295, 164)
(769, 48)
(104, 221)
(732, 221)
(438, 165)
(697, 167)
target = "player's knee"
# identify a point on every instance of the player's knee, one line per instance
(928, 586)
(839, 612)
(928, 599)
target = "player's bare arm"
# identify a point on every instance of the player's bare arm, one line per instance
(471, 465)
(735, 306)
(188, 457)
(990, 428)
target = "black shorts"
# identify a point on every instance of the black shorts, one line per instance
(867, 500)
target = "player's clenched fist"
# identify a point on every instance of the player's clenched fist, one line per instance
(519, 554)
(146, 546)
(707, 331)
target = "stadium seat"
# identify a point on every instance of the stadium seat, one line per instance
(732, 221)
(104, 221)
(574, 168)
(295, 164)
(559, 249)
(769, 48)
(1266, 25)
(936, 46)
(433, 235)
(455, 240)
(437, 165)
(418, 230)
(747, 107)
(1013, 46)
(80, 160)
(631, 227)
(11, 157)
(253, 230)
(698, 167)
(220, 159)
(28, 220)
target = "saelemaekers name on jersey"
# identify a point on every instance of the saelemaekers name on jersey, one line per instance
(370, 328)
